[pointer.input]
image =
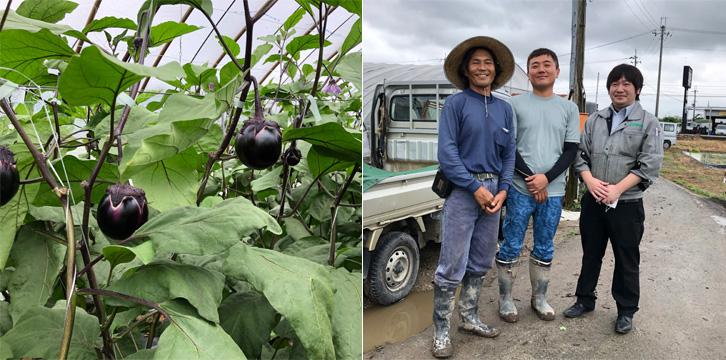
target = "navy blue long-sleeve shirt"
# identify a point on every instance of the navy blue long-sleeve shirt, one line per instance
(476, 136)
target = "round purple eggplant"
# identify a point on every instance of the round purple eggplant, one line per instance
(122, 211)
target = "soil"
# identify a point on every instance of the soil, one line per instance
(697, 143)
(690, 173)
(683, 287)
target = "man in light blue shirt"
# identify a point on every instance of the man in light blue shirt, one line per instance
(547, 133)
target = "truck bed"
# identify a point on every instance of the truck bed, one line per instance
(399, 196)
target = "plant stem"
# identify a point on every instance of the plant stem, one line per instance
(88, 187)
(114, 133)
(152, 331)
(39, 158)
(213, 157)
(88, 267)
(136, 323)
(322, 24)
(334, 210)
(317, 178)
(85, 252)
(285, 168)
(145, 33)
(31, 181)
(5, 14)
(110, 319)
(96, 5)
(163, 50)
(252, 192)
(70, 281)
(118, 295)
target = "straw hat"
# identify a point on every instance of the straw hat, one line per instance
(501, 53)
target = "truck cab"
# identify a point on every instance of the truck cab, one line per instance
(670, 132)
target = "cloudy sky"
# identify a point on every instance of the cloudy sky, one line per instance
(423, 31)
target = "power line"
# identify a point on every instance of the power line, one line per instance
(647, 13)
(699, 95)
(609, 43)
(706, 50)
(700, 31)
(606, 61)
(637, 17)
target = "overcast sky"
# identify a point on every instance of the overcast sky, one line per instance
(423, 31)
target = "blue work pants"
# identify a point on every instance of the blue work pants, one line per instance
(468, 237)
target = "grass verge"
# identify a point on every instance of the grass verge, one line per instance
(693, 175)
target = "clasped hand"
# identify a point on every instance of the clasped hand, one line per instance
(537, 186)
(488, 202)
(602, 191)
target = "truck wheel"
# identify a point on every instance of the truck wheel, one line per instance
(666, 145)
(393, 269)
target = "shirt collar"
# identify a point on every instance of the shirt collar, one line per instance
(628, 109)
(488, 98)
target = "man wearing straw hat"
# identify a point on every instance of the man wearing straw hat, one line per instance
(476, 153)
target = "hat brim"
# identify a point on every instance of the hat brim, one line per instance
(500, 51)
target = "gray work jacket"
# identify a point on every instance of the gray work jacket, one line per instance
(636, 146)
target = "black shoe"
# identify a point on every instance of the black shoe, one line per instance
(624, 324)
(576, 310)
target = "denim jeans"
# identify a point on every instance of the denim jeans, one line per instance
(546, 217)
(468, 237)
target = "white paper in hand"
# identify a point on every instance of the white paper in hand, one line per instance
(614, 204)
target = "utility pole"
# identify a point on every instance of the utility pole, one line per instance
(695, 90)
(660, 60)
(635, 58)
(597, 91)
(577, 62)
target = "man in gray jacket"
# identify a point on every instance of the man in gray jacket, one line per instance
(620, 155)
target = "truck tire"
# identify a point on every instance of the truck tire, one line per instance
(666, 144)
(393, 269)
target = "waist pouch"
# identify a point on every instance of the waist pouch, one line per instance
(442, 186)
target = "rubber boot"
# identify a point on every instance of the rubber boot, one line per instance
(469, 307)
(539, 276)
(506, 274)
(443, 308)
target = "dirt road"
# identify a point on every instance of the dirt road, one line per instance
(683, 293)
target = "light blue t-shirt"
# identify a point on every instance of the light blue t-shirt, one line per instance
(542, 126)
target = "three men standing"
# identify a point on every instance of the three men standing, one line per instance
(547, 132)
(476, 153)
(481, 138)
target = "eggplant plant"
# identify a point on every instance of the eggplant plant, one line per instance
(132, 226)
